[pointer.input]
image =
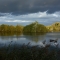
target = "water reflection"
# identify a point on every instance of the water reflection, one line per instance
(10, 33)
(6, 38)
(35, 38)
(34, 34)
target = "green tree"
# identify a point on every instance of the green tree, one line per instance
(19, 28)
(12, 28)
(35, 28)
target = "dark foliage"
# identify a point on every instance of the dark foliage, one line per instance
(35, 28)
(27, 53)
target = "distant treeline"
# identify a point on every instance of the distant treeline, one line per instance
(55, 27)
(11, 28)
(33, 28)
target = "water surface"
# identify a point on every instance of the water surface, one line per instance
(32, 40)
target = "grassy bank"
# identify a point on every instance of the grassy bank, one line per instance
(25, 52)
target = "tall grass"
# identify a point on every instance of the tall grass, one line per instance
(26, 52)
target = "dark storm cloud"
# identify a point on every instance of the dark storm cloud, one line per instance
(29, 6)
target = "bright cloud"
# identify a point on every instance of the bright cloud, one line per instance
(41, 17)
(19, 21)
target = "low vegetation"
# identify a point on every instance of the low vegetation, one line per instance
(25, 52)
(55, 27)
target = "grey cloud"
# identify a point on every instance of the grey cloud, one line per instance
(41, 17)
(29, 6)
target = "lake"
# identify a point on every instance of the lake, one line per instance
(32, 40)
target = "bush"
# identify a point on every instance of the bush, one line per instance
(35, 28)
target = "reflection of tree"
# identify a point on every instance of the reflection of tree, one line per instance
(9, 35)
(35, 38)
(10, 38)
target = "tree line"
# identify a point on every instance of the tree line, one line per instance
(11, 28)
(33, 28)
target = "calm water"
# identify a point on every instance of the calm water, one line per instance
(32, 40)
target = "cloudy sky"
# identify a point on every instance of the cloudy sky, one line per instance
(27, 11)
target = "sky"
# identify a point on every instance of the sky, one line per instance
(27, 11)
